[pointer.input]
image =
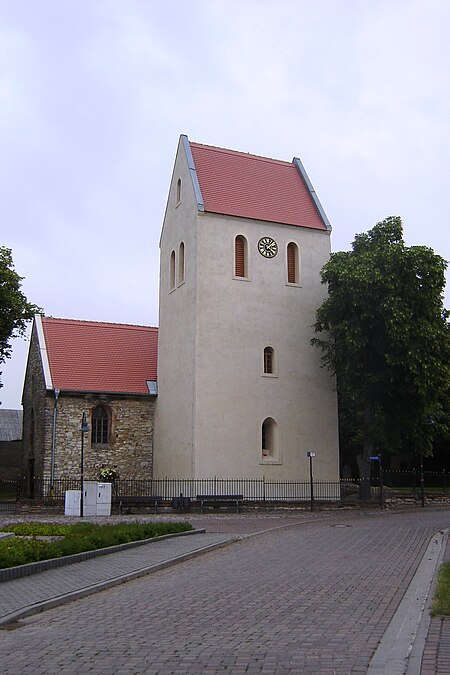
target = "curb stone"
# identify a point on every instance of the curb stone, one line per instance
(10, 573)
(110, 583)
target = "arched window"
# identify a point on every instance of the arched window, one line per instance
(292, 264)
(240, 257)
(172, 271)
(269, 440)
(100, 426)
(181, 264)
(178, 190)
(269, 361)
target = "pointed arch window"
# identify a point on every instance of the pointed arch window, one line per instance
(100, 426)
(240, 257)
(178, 191)
(292, 261)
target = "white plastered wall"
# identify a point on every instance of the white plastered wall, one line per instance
(236, 319)
(174, 416)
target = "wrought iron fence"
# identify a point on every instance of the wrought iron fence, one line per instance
(396, 486)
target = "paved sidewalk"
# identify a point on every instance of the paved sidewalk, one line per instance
(32, 594)
(313, 594)
(28, 595)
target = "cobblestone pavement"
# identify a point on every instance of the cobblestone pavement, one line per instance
(436, 655)
(27, 595)
(311, 599)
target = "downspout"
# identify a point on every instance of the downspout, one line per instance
(55, 415)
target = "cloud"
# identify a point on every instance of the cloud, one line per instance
(93, 97)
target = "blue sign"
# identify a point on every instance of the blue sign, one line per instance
(375, 458)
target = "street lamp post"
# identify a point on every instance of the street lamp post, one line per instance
(310, 455)
(84, 429)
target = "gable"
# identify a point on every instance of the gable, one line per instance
(91, 356)
(247, 186)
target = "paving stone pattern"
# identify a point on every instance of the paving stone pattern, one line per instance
(312, 599)
(436, 655)
(31, 590)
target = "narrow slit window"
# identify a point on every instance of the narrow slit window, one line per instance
(178, 190)
(172, 271)
(268, 361)
(181, 264)
(292, 263)
(240, 256)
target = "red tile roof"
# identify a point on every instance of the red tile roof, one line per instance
(100, 357)
(238, 184)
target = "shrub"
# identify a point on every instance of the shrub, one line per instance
(77, 539)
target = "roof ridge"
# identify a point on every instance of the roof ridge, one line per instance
(98, 323)
(240, 153)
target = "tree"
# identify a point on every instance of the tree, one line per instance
(385, 335)
(15, 310)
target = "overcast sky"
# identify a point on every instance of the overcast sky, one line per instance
(95, 93)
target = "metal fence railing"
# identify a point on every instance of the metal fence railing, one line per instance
(398, 487)
(393, 483)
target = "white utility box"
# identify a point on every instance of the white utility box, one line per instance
(96, 500)
(72, 503)
(104, 499)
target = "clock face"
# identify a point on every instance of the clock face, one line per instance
(267, 247)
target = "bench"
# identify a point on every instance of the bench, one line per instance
(219, 500)
(127, 501)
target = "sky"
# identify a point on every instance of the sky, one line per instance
(95, 93)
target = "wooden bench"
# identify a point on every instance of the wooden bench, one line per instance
(127, 501)
(219, 500)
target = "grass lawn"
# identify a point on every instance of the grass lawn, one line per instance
(441, 600)
(74, 539)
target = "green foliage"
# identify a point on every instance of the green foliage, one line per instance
(15, 310)
(15, 552)
(385, 335)
(441, 600)
(108, 474)
(38, 529)
(77, 539)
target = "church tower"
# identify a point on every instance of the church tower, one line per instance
(241, 391)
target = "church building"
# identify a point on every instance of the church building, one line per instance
(241, 391)
(235, 389)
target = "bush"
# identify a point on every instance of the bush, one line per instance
(38, 529)
(77, 539)
(21, 551)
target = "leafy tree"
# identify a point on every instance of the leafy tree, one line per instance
(15, 310)
(385, 335)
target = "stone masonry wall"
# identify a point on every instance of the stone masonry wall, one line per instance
(130, 449)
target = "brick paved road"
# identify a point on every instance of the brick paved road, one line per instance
(436, 655)
(310, 599)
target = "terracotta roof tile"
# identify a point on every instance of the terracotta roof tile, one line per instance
(238, 184)
(100, 357)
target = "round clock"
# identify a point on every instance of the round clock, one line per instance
(267, 247)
